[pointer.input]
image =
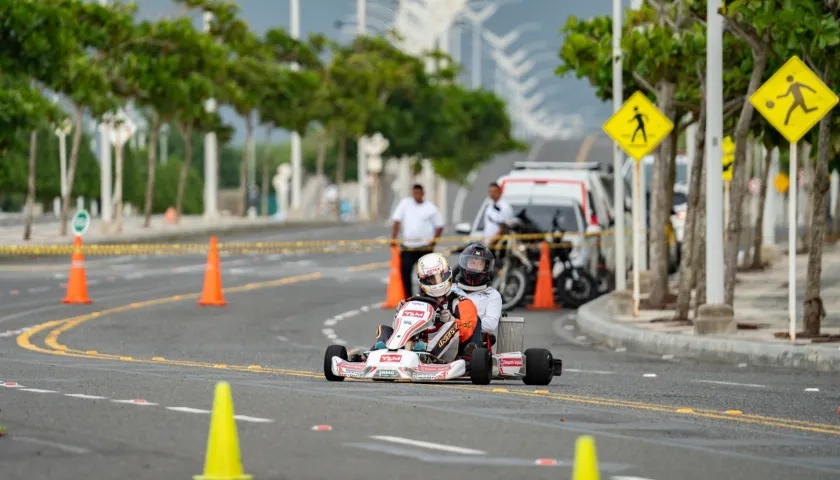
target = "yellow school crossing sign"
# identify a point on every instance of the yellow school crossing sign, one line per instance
(638, 126)
(794, 99)
(728, 158)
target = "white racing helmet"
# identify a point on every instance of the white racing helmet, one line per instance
(434, 274)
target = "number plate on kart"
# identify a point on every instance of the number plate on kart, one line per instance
(387, 373)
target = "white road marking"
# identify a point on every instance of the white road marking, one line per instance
(58, 446)
(246, 418)
(36, 390)
(37, 289)
(600, 372)
(282, 338)
(136, 402)
(812, 389)
(429, 445)
(649, 375)
(188, 410)
(84, 395)
(734, 384)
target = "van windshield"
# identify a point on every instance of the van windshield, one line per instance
(542, 216)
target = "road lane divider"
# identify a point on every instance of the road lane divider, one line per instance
(53, 329)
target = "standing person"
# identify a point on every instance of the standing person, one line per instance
(496, 214)
(422, 225)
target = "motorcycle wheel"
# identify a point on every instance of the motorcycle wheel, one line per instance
(573, 293)
(514, 291)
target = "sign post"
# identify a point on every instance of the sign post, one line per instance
(803, 100)
(122, 129)
(80, 223)
(638, 127)
(728, 160)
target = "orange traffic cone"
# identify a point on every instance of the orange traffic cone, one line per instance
(211, 295)
(396, 291)
(544, 292)
(77, 292)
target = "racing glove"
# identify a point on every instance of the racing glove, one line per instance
(445, 315)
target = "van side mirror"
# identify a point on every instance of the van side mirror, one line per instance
(463, 228)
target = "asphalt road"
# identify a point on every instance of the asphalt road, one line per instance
(122, 388)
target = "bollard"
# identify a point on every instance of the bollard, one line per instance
(510, 336)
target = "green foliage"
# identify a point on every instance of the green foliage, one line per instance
(98, 58)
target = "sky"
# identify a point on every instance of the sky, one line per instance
(563, 95)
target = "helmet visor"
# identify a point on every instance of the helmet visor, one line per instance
(475, 263)
(435, 278)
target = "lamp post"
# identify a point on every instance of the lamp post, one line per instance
(211, 167)
(361, 162)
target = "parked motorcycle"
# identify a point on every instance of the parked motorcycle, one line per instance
(517, 277)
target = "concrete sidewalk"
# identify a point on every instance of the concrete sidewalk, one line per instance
(760, 301)
(158, 231)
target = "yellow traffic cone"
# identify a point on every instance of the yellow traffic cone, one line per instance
(586, 461)
(222, 461)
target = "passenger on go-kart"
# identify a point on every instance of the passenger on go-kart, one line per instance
(435, 277)
(473, 275)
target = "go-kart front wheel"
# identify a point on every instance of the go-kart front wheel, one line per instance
(539, 367)
(481, 366)
(333, 351)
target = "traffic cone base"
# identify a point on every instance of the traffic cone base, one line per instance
(222, 460)
(544, 291)
(77, 292)
(395, 292)
(211, 293)
(586, 460)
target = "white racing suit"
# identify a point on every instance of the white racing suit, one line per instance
(488, 302)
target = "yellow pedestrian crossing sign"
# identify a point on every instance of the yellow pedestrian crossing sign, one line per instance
(794, 99)
(638, 126)
(728, 158)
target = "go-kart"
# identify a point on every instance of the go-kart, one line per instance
(420, 348)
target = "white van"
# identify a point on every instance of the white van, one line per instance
(555, 183)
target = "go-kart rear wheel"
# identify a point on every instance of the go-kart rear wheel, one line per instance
(333, 351)
(481, 366)
(539, 367)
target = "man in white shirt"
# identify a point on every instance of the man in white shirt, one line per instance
(421, 224)
(496, 214)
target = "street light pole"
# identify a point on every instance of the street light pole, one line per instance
(618, 156)
(714, 152)
(105, 174)
(211, 168)
(361, 158)
(297, 154)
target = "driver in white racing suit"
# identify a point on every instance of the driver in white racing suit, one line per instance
(473, 276)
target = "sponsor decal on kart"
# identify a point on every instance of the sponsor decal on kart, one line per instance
(390, 358)
(426, 376)
(352, 366)
(387, 373)
(413, 313)
(344, 372)
(447, 336)
(510, 362)
(433, 368)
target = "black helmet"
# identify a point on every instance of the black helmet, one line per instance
(476, 262)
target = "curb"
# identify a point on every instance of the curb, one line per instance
(197, 232)
(594, 320)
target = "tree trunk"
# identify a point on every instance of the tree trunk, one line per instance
(323, 143)
(758, 238)
(243, 166)
(742, 130)
(813, 307)
(30, 182)
(745, 173)
(266, 172)
(151, 153)
(807, 194)
(660, 212)
(186, 133)
(119, 150)
(688, 268)
(72, 162)
(339, 171)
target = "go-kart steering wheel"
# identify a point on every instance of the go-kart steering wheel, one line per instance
(426, 299)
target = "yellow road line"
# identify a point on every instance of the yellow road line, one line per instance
(585, 147)
(57, 327)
